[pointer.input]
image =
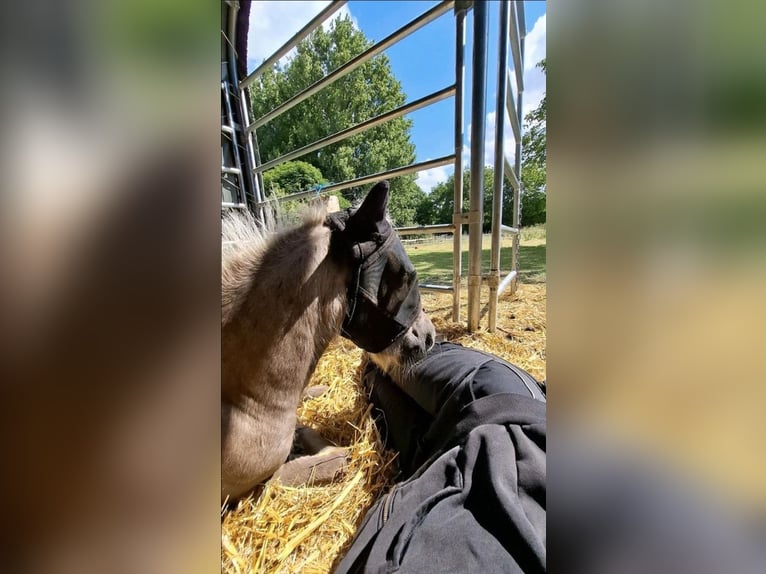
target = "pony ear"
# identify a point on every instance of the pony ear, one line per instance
(373, 208)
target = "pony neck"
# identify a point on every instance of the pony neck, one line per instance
(295, 306)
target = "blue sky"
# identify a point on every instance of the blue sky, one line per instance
(423, 62)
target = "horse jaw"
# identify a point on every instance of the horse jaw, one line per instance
(408, 349)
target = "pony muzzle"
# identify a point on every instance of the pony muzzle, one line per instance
(383, 297)
(384, 301)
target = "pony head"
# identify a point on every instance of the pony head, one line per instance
(385, 316)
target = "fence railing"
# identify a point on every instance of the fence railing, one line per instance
(512, 32)
(454, 90)
(240, 189)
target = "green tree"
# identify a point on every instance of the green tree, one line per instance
(368, 91)
(533, 156)
(438, 206)
(291, 177)
(294, 177)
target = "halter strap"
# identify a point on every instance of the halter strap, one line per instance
(370, 323)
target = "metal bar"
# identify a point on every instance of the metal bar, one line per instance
(231, 204)
(511, 174)
(292, 42)
(516, 219)
(511, 107)
(359, 128)
(518, 63)
(247, 186)
(478, 107)
(257, 155)
(254, 157)
(231, 184)
(354, 63)
(425, 229)
(507, 280)
(497, 195)
(423, 165)
(256, 182)
(436, 288)
(231, 68)
(517, 162)
(457, 239)
(509, 229)
(522, 21)
(237, 170)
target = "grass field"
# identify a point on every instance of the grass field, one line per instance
(433, 260)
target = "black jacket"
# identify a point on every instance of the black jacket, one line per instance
(474, 451)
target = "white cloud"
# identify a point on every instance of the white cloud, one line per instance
(467, 150)
(272, 23)
(489, 139)
(430, 178)
(534, 44)
(534, 79)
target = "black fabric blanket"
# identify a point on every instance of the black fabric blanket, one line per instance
(470, 430)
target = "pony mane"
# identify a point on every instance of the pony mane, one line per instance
(244, 240)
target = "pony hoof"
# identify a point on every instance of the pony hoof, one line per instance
(315, 391)
(321, 468)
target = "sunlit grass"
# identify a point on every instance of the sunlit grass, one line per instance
(433, 260)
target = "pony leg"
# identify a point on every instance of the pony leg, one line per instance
(322, 463)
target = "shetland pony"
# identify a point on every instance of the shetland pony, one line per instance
(284, 295)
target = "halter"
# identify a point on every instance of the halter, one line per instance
(383, 296)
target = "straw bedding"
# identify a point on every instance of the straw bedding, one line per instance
(307, 529)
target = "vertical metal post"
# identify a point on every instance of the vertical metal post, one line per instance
(251, 187)
(478, 106)
(231, 80)
(250, 156)
(497, 196)
(253, 156)
(257, 152)
(517, 164)
(457, 236)
(242, 199)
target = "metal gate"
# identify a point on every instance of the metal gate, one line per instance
(242, 169)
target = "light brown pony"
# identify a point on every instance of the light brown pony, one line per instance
(284, 298)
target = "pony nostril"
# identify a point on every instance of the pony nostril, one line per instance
(410, 344)
(429, 341)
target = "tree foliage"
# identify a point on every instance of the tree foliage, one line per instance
(438, 206)
(368, 91)
(294, 177)
(291, 177)
(533, 140)
(534, 158)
